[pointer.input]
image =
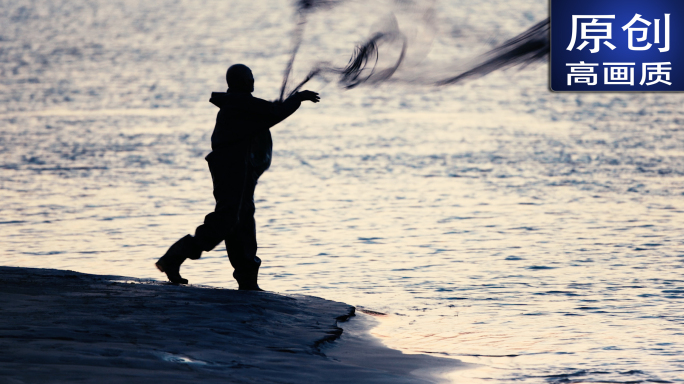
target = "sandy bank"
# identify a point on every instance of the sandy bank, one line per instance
(63, 326)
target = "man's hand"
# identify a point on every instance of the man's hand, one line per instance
(309, 95)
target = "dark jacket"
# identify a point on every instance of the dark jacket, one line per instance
(245, 120)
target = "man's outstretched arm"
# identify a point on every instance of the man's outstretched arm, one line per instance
(280, 111)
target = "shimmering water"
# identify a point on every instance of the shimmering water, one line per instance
(538, 234)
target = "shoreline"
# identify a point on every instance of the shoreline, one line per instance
(64, 326)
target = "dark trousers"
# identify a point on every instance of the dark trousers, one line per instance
(234, 181)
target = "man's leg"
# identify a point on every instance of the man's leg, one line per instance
(241, 245)
(229, 176)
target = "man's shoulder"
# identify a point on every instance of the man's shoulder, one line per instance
(228, 100)
(258, 101)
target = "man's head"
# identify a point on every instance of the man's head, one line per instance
(239, 78)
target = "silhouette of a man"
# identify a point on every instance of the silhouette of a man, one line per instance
(241, 151)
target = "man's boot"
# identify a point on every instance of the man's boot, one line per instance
(185, 248)
(247, 280)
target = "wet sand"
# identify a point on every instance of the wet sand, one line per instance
(63, 326)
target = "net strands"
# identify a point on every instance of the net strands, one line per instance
(526, 48)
